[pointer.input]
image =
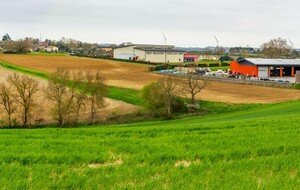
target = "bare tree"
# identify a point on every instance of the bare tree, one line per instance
(9, 46)
(22, 46)
(193, 85)
(26, 88)
(96, 89)
(61, 91)
(170, 90)
(19, 46)
(276, 48)
(81, 95)
(7, 100)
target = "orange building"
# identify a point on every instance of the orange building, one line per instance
(266, 68)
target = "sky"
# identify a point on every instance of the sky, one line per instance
(192, 23)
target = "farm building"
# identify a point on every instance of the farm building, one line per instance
(190, 58)
(266, 68)
(149, 53)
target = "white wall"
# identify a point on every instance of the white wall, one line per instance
(162, 57)
(140, 54)
(124, 52)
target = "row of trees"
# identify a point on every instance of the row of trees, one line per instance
(68, 45)
(70, 94)
(73, 95)
(274, 48)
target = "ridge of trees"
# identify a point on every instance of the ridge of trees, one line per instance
(18, 98)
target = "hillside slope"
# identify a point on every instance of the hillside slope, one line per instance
(258, 148)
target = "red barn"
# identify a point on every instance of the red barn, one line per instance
(266, 68)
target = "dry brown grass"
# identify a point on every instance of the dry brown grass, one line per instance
(135, 76)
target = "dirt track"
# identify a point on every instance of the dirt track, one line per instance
(135, 76)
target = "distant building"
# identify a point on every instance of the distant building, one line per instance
(51, 49)
(107, 49)
(190, 58)
(208, 57)
(149, 53)
(242, 49)
(267, 68)
(45, 47)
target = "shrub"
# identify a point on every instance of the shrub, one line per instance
(225, 64)
(225, 58)
(214, 64)
(202, 65)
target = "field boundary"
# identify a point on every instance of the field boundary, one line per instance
(241, 81)
(127, 95)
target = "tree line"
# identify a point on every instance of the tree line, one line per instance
(70, 94)
(64, 45)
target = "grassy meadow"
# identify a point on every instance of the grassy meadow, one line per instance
(258, 148)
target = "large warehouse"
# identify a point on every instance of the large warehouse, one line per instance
(266, 68)
(149, 53)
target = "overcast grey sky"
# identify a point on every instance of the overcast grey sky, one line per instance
(185, 23)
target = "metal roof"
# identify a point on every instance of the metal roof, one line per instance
(145, 46)
(271, 62)
(160, 49)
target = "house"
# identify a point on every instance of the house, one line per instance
(149, 53)
(51, 49)
(266, 68)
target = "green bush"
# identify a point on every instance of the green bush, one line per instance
(225, 58)
(214, 64)
(202, 65)
(225, 64)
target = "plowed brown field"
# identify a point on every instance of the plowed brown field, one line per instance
(135, 76)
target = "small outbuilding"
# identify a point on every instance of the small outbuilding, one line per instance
(266, 68)
(190, 58)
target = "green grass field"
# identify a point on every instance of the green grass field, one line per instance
(48, 54)
(258, 148)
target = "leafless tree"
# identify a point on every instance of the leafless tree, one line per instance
(193, 85)
(19, 46)
(81, 95)
(7, 100)
(96, 89)
(62, 91)
(26, 88)
(170, 90)
(276, 48)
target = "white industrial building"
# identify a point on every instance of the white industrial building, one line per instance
(149, 53)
